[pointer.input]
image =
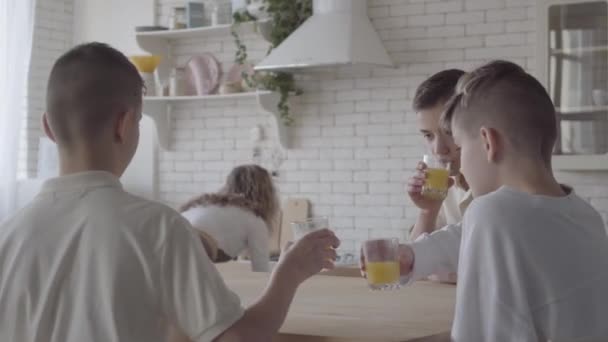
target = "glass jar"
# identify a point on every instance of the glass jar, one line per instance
(176, 82)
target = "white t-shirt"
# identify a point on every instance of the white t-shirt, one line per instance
(235, 230)
(532, 268)
(86, 261)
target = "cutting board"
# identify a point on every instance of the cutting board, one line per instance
(294, 209)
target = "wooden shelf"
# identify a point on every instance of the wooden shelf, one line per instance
(597, 162)
(160, 109)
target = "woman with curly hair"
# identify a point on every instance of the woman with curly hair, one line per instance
(239, 217)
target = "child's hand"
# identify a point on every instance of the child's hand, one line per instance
(309, 255)
(414, 190)
(406, 261)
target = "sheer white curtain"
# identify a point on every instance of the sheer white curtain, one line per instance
(16, 36)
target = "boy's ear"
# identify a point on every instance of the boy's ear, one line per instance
(491, 143)
(121, 126)
(47, 127)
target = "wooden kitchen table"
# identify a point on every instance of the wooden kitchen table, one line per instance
(336, 309)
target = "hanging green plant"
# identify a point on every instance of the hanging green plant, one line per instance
(285, 17)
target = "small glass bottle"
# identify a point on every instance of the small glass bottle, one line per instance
(215, 16)
(176, 82)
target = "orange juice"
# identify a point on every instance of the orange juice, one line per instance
(385, 272)
(436, 185)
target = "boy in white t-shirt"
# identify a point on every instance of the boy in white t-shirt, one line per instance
(441, 216)
(87, 261)
(533, 262)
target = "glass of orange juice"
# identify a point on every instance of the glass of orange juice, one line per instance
(437, 174)
(382, 263)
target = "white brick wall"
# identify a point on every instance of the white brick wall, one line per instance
(355, 139)
(52, 37)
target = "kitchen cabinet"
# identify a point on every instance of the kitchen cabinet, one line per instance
(572, 63)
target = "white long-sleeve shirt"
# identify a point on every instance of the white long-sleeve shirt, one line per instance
(235, 230)
(531, 268)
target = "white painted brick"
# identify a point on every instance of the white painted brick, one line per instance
(336, 199)
(337, 176)
(371, 176)
(464, 42)
(389, 164)
(386, 117)
(499, 52)
(372, 200)
(337, 153)
(427, 20)
(177, 177)
(372, 223)
(320, 210)
(220, 122)
(353, 95)
(339, 108)
(303, 176)
(402, 34)
(219, 144)
(465, 17)
(345, 211)
(387, 93)
(474, 5)
(207, 155)
(315, 164)
(485, 28)
(444, 6)
(307, 131)
(423, 44)
(371, 106)
(386, 23)
(446, 31)
(512, 39)
(349, 188)
(351, 165)
(367, 130)
(406, 9)
(289, 188)
(348, 142)
(354, 118)
(342, 131)
(446, 55)
(371, 153)
(506, 14)
(216, 166)
(378, 12)
(187, 166)
(383, 188)
(515, 3)
(521, 26)
(337, 85)
(354, 234)
(315, 187)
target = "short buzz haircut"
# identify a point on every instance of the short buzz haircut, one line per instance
(87, 87)
(503, 96)
(437, 89)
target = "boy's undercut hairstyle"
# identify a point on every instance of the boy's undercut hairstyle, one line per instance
(87, 87)
(503, 96)
(437, 89)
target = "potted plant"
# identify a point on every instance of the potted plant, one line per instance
(282, 18)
